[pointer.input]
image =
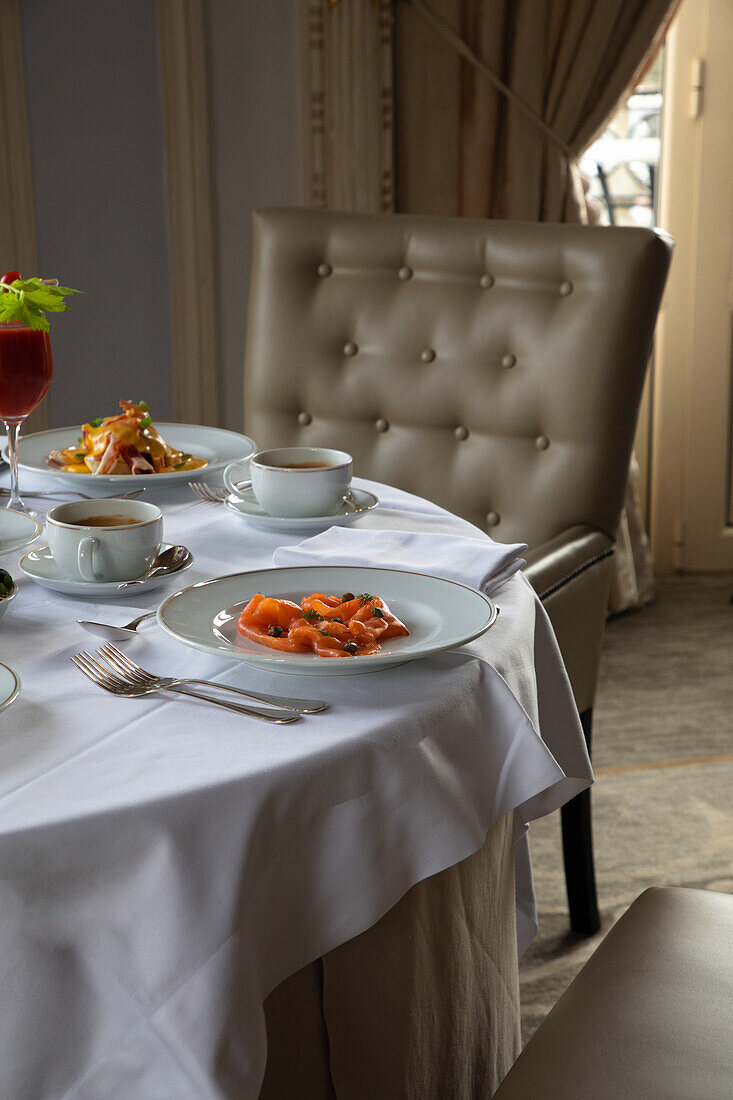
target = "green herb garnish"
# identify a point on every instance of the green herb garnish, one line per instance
(96, 422)
(80, 456)
(325, 634)
(365, 597)
(29, 300)
(312, 616)
(143, 405)
(179, 465)
(146, 422)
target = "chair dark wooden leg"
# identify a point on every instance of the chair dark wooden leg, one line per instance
(577, 848)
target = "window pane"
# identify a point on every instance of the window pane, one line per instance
(623, 164)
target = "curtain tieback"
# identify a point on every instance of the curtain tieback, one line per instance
(443, 28)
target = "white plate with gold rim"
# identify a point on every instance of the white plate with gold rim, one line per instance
(218, 446)
(9, 686)
(440, 614)
(17, 529)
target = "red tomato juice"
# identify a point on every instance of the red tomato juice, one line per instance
(26, 370)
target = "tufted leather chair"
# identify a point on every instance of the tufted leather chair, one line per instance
(493, 367)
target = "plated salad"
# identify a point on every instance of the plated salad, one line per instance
(123, 444)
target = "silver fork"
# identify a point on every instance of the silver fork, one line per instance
(101, 676)
(120, 662)
(206, 494)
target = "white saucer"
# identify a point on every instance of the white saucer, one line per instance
(246, 505)
(9, 686)
(16, 530)
(41, 568)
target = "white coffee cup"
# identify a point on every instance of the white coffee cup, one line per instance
(118, 552)
(294, 482)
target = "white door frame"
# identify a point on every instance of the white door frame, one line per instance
(690, 506)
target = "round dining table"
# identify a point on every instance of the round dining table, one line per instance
(168, 867)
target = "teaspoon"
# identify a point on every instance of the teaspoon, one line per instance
(170, 561)
(115, 633)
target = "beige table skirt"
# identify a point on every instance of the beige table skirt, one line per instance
(422, 1006)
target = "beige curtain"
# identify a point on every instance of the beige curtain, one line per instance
(466, 147)
(349, 106)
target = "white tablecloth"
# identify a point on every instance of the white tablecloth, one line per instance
(156, 853)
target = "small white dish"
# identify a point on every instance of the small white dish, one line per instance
(41, 568)
(9, 686)
(218, 446)
(5, 600)
(17, 529)
(440, 614)
(245, 504)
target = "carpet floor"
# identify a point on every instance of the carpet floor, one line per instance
(663, 757)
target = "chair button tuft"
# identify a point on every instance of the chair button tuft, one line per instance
(566, 288)
(461, 432)
(542, 443)
(493, 519)
(324, 270)
(508, 361)
(405, 273)
(381, 424)
(427, 355)
(486, 282)
(304, 419)
(350, 349)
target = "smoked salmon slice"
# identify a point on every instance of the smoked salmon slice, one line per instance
(329, 626)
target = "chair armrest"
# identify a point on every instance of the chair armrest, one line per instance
(558, 561)
(571, 574)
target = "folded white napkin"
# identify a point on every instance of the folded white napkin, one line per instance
(478, 562)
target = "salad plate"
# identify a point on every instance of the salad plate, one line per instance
(245, 504)
(17, 529)
(41, 568)
(217, 446)
(440, 614)
(9, 686)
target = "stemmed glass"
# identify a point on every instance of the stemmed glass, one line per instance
(26, 370)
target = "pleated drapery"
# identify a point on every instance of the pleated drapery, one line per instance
(465, 147)
(348, 137)
(569, 61)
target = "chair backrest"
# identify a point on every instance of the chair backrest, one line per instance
(493, 367)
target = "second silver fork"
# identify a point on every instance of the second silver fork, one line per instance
(100, 675)
(206, 494)
(121, 663)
